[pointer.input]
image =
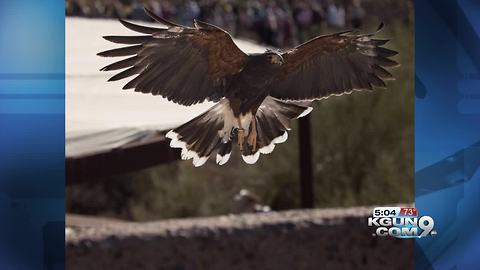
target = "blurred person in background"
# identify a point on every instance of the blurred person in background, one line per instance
(156, 7)
(188, 11)
(303, 16)
(136, 11)
(72, 8)
(356, 14)
(335, 15)
(271, 24)
(230, 18)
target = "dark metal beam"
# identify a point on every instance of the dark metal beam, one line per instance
(306, 168)
(128, 158)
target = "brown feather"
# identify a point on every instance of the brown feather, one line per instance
(224, 57)
(206, 50)
(333, 65)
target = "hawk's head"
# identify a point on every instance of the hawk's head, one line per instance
(274, 57)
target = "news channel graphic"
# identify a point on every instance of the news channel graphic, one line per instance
(401, 222)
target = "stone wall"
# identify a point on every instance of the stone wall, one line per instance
(300, 239)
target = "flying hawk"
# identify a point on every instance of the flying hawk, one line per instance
(258, 94)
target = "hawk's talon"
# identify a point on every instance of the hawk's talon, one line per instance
(252, 137)
(252, 140)
(241, 136)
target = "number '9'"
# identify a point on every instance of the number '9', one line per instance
(426, 224)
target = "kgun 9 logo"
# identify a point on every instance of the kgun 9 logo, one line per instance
(401, 223)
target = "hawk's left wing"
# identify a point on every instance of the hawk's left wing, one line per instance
(186, 65)
(333, 65)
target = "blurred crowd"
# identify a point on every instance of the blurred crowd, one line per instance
(276, 23)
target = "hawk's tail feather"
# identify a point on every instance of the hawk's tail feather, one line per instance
(199, 137)
(224, 152)
(273, 120)
(202, 136)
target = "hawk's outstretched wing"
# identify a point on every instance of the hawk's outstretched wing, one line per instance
(333, 65)
(184, 64)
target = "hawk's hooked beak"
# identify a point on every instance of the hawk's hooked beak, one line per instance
(278, 60)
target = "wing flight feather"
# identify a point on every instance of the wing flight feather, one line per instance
(157, 59)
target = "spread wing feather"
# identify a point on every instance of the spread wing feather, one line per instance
(186, 65)
(333, 65)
